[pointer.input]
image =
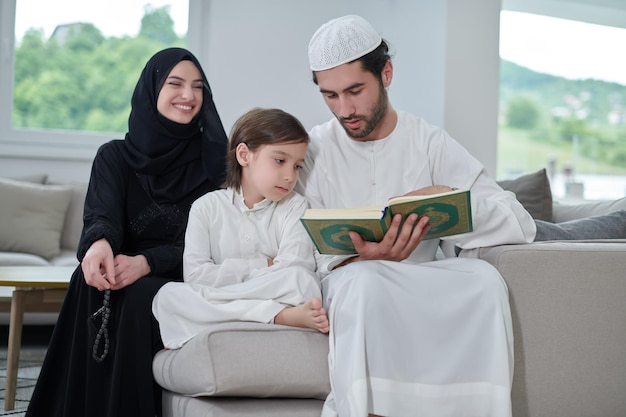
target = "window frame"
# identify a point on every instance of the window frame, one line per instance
(52, 143)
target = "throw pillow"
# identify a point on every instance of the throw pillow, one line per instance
(32, 217)
(533, 192)
(73, 226)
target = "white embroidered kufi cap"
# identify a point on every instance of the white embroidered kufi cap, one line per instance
(340, 41)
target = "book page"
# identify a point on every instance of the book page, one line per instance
(448, 213)
(367, 212)
(405, 198)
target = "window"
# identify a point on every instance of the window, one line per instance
(72, 66)
(563, 104)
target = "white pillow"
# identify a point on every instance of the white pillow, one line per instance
(566, 212)
(32, 216)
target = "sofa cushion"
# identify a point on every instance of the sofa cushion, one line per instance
(533, 192)
(33, 216)
(67, 257)
(176, 405)
(21, 259)
(250, 360)
(73, 224)
(36, 178)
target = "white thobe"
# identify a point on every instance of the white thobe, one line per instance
(418, 337)
(225, 265)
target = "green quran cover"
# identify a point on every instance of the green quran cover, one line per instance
(450, 213)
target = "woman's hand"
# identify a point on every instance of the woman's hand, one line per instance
(103, 271)
(129, 269)
(98, 265)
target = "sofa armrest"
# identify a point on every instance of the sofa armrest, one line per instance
(568, 310)
(539, 258)
(566, 212)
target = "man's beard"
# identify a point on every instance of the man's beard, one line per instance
(371, 122)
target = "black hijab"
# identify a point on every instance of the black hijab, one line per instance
(173, 159)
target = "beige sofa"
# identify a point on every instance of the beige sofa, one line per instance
(567, 301)
(41, 226)
(569, 322)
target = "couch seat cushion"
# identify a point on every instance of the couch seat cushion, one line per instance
(21, 259)
(250, 360)
(67, 257)
(176, 405)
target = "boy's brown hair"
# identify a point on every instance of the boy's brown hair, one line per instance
(260, 127)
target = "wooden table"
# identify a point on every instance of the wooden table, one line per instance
(37, 289)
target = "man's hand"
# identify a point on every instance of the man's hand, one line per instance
(398, 243)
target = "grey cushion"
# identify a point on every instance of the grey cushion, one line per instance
(533, 192)
(249, 360)
(32, 217)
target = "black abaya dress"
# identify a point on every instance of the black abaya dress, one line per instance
(72, 383)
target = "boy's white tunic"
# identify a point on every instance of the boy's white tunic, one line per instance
(419, 337)
(225, 265)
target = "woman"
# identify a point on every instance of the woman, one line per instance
(99, 361)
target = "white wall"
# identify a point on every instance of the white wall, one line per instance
(445, 58)
(66, 171)
(255, 54)
(473, 77)
(259, 57)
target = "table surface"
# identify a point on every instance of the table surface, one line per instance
(36, 276)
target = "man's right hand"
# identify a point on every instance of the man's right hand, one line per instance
(398, 243)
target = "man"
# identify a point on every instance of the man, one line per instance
(410, 335)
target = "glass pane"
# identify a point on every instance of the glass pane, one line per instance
(563, 104)
(77, 62)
